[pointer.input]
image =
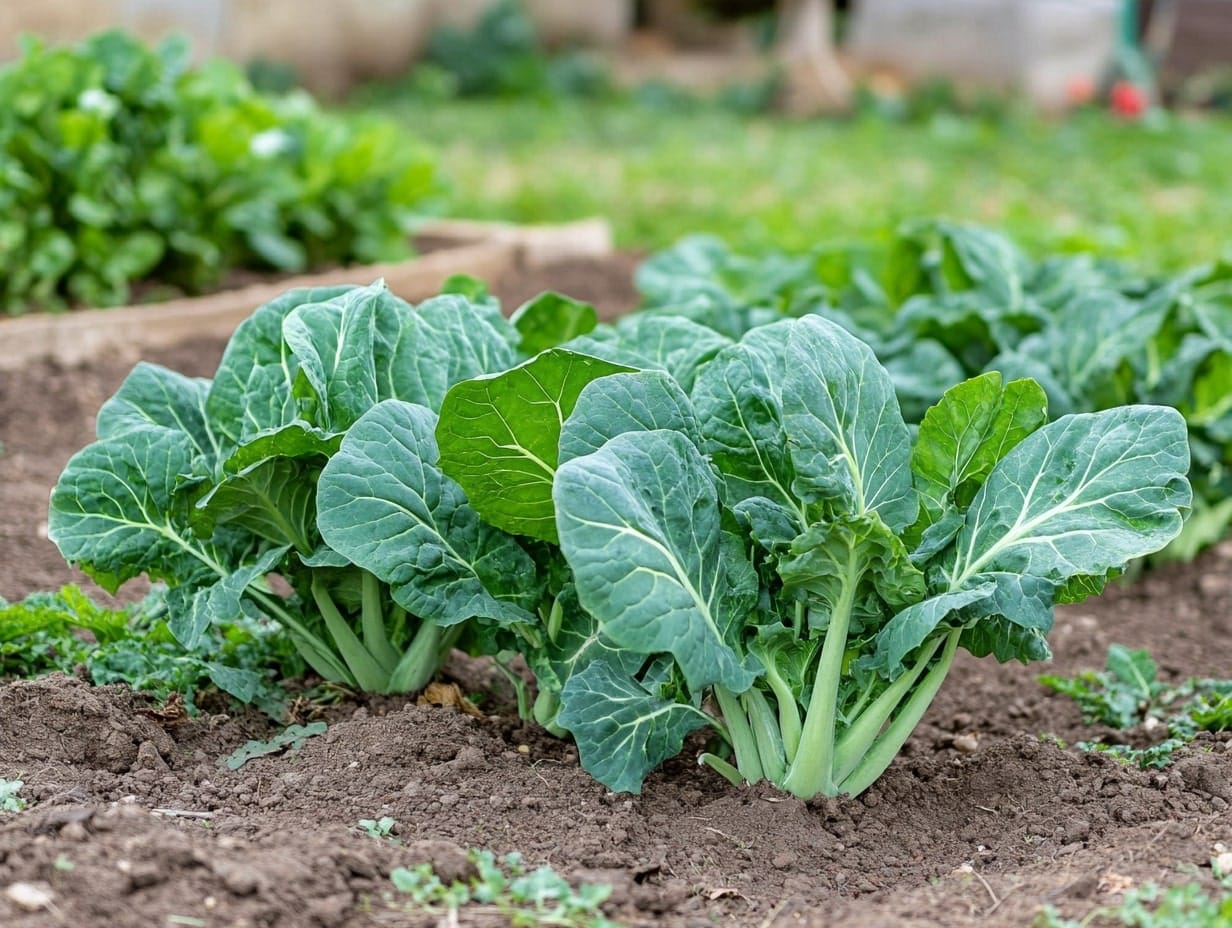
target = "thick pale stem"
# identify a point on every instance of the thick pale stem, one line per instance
(420, 661)
(742, 741)
(368, 672)
(812, 771)
(896, 734)
(867, 724)
(315, 652)
(766, 733)
(372, 621)
(789, 713)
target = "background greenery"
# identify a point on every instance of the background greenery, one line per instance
(1159, 192)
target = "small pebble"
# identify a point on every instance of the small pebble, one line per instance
(29, 896)
(967, 743)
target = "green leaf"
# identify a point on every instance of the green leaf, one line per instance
(674, 344)
(274, 499)
(154, 396)
(447, 340)
(383, 504)
(640, 525)
(622, 730)
(292, 738)
(114, 510)
(252, 390)
(739, 401)
(849, 444)
(1080, 496)
(975, 424)
(194, 609)
(500, 435)
(826, 554)
(344, 346)
(913, 625)
(641, 401)
(551, 319)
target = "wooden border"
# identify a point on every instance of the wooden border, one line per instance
(484, 250)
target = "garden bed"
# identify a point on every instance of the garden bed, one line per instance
(980, 821)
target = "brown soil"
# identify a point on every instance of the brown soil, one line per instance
(134, 821)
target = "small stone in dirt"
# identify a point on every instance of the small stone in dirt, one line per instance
(29, 896)
(967, 743)
(783, 861)
(235, 878)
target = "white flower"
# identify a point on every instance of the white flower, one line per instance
(97, 100)
(269, 143)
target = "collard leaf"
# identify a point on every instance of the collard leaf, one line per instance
(636, 402)
(826, 556)
(274, 499)
(447, 340)
(154, 396)
(550, 320)
(114, 510)
(975, 424)
(1005, 640)
(192, 611)
(344, 350)
(640, 525)
(296, 440)
(913, 625)
(578, 643)
(1080, 496)
(499, 437)
(738, 397)
(679, 346)
(252, 390)
(849, 444)
(383, 504)
(623, 731)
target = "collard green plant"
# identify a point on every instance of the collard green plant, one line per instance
(944, 302)
(813, 571)
(277, 466)
(676, 527)
(121, 164)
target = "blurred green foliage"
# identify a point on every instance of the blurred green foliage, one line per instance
(119, 163)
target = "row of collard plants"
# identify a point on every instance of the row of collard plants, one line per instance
(122, 165)
(677, 524)
(941, 302)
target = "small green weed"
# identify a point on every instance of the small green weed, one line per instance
(292, 738)
(62, 631)
(1127, 694)
(379, 828)
(9, 800)
(534, 898)
(1186, 905)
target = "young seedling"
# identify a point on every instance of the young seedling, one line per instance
(10, 801)
(505, 888)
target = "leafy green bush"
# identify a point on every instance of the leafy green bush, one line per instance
(119, 164)
(501, 56)
(943, 302)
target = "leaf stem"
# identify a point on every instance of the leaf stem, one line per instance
(372, 621)
(886, 748)
(863, 731)
(812, 771)
(743, 743)
(368, 672)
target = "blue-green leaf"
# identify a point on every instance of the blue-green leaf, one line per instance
(623, 731)
(640, 525)
(383, 503)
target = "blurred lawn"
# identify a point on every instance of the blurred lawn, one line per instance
(1162, 195)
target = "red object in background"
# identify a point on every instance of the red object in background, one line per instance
(1128, 99)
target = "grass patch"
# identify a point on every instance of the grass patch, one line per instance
(1161, 193)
